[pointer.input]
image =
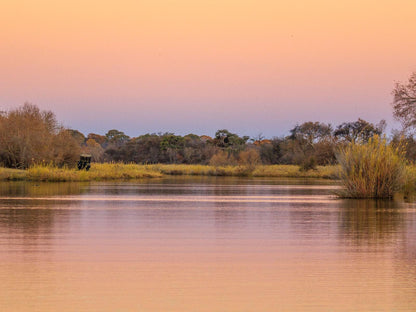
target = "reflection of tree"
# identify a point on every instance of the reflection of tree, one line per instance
(370, 221)
(27, 217)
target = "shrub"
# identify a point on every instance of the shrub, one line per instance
(222, 158)
(372, 170)
(309, 163)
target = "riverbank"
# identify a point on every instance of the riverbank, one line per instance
(112, 171)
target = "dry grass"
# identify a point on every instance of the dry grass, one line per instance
(12, 174)
(108, 171)
(292, 171)
(372, 170)
(113, 171)
(283, 171)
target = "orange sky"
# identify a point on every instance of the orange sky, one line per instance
(197, 66)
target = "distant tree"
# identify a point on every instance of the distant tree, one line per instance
(404, 103)
(117, 137)
(271, 153)
(308, 145)
(230, 142)
(95, 149)
(197, 150)
(100, 139)
(311, 132)
(78, 136)
(65, 148)
(359, 131)
(142, 149)
(171, 144)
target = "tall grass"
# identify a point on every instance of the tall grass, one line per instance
(107, 171)
(278, 171)
(116, 171)
(7, 174)
(372, 170)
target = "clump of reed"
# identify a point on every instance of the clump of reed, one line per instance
(372, 170)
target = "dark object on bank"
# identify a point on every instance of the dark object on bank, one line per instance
(84, 162)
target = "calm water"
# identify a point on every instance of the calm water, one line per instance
(207, 244)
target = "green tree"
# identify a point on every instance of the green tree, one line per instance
(117, 137)
(230, 141)
(171, 144)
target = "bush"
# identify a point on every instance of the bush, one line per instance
(222, 158)
(309, 163)
(372, 170)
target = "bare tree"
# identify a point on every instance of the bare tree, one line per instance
(404, 103)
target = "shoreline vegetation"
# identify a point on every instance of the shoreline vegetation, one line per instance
(119, 171)
(35, 147)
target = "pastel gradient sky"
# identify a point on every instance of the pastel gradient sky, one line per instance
(197, 66)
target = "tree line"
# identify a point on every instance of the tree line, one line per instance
(309, 144)
(30, 136)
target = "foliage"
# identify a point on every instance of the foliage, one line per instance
(271, 152)
(29, 136)
(358, 131)
(308, 164)
(222, 158)
(116, 137)
(100, 139)
(311, 132)
(94, 149)
(231, 142)
(78, 136)
(371, 170)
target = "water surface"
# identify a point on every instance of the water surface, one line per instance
(203, 244)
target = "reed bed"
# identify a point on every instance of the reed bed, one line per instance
(278, 171)
(12, 174)
(292, 171)
(372, 170)
(98, 172)
(116, 171)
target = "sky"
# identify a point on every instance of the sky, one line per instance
(196, 66)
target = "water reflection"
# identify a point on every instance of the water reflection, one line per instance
(371, 222)
(31, 189)
(204, 244)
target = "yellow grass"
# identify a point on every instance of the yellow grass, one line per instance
(283, 171)
(113, 171)
(372, 170)
(108, 171)
(12, 174)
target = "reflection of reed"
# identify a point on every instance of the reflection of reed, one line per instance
(29, 189)
(370, 222)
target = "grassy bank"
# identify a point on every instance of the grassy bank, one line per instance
(98, 172)
(111, 171)
(278, 171)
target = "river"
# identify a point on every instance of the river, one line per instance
(203, 244)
